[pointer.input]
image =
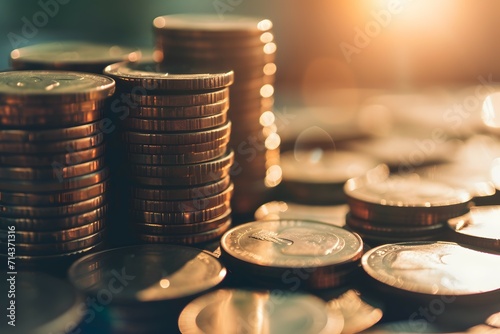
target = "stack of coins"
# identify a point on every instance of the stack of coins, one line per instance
(71, 56)
(275, 313)
(142, 289)
(298, 253)
(53, 180)
(318, 176)
(244, 45)
(438, 282)
(392, 208)
(176, 137)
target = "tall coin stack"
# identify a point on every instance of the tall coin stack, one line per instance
(176, 135)
(53, 180)
(244, 45)
(388, 208)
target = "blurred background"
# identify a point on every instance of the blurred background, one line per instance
(322, 44)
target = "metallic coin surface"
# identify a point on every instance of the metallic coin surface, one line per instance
(53, 87)
(24, 136)
(174, 125)
(179, 100)
(160, 112)
(433, 268)
(177, 159)
(152, 272)
(292, 244)
(227, 311)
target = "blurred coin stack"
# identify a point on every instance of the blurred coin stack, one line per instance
(53, 179)
(176, 135)
(244, 45)
(388, 208)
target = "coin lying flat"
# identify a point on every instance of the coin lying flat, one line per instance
(405, 199)
(180, 100)
(32, 312)
(159, 112)
(53, 87)
(433, 268)
(80, 131)
(480, 227)
(172, 77)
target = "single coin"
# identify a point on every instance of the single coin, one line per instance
(200, 25)
(332, 214)
(291, 244)
(169, 77)
(58, 172)
(21, 111)
(53, 185)
(187, 239)
(55, 236)
(177, 159)
(184, 206)
(52, 211)
(164, 229)
(403, 199)
(52, 121)
(480, 227)
(184, 138)
(178, 181)
(54, 223)
(33, 313)
(148, 273)
(172, 125)
(55, 160)
(169, 39)
(54, 198)
(191, 217)
(181, 193)
(59, 247)
(159, 112)
(40, 87)
(284, 313)
(80, 131)
(71, 55)
(392, 230)
(62, 146)
(179, 100)
(433, 268)
(200, 169)
(177, 149)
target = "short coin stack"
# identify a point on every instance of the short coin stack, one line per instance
(312, 254)
(53, 180)
(246, 46)
(176, 136)
(393, 208)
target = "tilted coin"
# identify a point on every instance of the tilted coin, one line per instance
(173, 125)
(148, 271)
(480, 227)
(284, 313)
(40, 87)
(182, 138)
(433, 268)
(71, 55)
(171, 77)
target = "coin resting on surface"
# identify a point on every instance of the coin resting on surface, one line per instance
(433, 268)
(227, 311)
(480, 226)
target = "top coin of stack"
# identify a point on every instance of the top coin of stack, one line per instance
(53, 180)
(71, 56)
(246, 46)
(393, 208)
(177, 134)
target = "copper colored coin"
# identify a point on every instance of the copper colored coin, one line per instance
(55, 121)
(159, 112)
(177, 149)
(177, 159)
(52, 110)
(173, 125)
(62, 146)
(25, 136)
(179, 217)
(179, 100)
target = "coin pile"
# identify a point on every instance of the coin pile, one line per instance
(388, 208)
(244, 45)
(71, 56)
(309, 313)
(318, 176)
(309, 254)
(436, 281)
(142, 289)
(53, 180)
(176, 135)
